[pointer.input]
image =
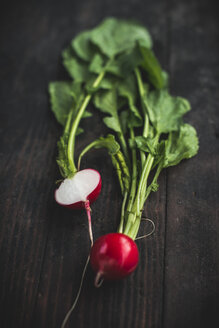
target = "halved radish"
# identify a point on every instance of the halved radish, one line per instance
(74, 192)
(80, 191)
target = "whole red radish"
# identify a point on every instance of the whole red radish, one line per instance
(113, 256)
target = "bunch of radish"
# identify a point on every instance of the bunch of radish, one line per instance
(114, 67)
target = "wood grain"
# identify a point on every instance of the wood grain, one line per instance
(192, 233)
(43, 247)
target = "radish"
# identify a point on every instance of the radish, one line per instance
(79, 192)
(113, 256)
(83, 186)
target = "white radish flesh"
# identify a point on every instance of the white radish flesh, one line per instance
(78, 188)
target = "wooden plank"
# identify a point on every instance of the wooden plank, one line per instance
(192, 240)
(25, 205)
(28, 142)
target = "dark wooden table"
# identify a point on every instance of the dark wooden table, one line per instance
(43, 247)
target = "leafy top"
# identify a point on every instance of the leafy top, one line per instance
(82, 45)
(114, 65)
(64, 97)
(152, 66)
(114, 36)
(166, 111)
(180, 145)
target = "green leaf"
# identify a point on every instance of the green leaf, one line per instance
(165, 79)
(125, 63)
(97, 64)
(77, 69)
(79, 131)
(108, 142)
(62, 159)
(106, 101)
(127, 89)
(114, 36)
(154, 186)
(82, 46)
(124, 120)
(68, 53)
(146, 144)
(87, 114)
(63, 97)
(109, 82)
(112, 123)
(66, 97)
(180, 145)
(152, 66)
(165, 111)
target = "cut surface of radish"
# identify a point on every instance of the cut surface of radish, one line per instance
(85, 184)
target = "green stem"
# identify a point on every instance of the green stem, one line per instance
(123, 212)
(144, 177)
(144, 109)
(71, 141)
(124, 147)
(85, 150)
(131, 216)
(134, 174)
(122, 170)
(68, 122)
(149, 189)
(140, 83)
(143, 180)
(134, 229)
(130, 221)
(137, 207)
(145, 134)
(135, 210)
(116, 164)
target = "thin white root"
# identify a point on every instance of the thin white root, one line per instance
(77, 296)
(88, 211)
(151, 232)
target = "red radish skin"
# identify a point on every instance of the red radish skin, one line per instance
(113, 256)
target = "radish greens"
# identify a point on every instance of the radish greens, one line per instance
(114, 67)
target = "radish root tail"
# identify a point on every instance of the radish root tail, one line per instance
(151, 232)
(77, 296)
(98, 279)
(88, 211)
